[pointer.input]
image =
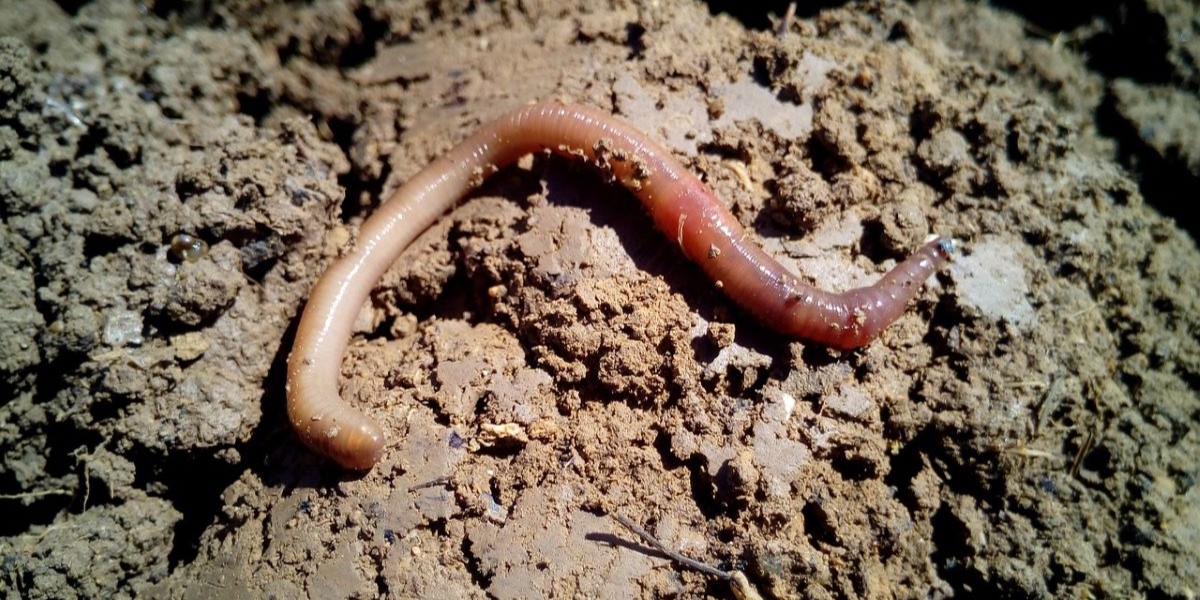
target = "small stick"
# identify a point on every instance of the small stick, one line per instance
(738, 583)
(440, 481)
(1083, 450)
(677, 557)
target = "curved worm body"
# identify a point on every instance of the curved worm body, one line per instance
(680, 204)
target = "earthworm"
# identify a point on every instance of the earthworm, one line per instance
(680, 205)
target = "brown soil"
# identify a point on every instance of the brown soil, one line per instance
(543, 359)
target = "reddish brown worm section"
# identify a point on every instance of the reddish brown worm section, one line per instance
(680, 204)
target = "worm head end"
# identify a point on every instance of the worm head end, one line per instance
(944, 246)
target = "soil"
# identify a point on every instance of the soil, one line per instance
(542, 359)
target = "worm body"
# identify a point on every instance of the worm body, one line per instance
(681, 206)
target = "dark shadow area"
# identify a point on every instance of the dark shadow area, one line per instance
(634, 38)
(195, 482)
(1132, 43)
(71, 7)
(1052, 17)
(26, 508)
(904, 468)
(951, 551)
(1166, 183)
(818, 526)
(480, 578)
(853, 467)
(755, 15)
(702, 489)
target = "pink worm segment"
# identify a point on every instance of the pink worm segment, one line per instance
(679, 203)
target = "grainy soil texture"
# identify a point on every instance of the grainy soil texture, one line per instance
(175, 177)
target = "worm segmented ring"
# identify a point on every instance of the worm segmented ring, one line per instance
(681, 206)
